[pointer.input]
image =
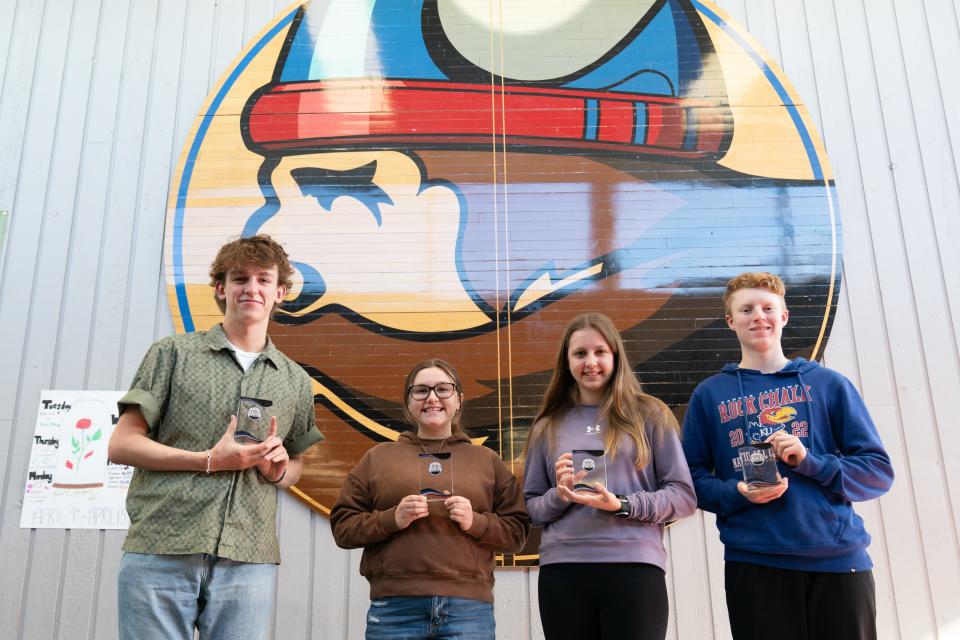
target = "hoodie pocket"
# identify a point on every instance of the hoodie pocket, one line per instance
(791, 526)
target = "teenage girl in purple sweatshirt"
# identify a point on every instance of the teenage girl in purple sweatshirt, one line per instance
(602, 557)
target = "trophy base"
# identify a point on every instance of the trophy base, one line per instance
(245, 437)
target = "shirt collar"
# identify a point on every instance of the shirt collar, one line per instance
(216, 339)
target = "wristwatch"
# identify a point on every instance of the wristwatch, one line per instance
(624, 510)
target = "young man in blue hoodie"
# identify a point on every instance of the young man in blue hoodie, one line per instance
(795, 551)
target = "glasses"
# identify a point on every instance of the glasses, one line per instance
(421, 391)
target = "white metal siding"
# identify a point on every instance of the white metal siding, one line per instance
(96, 99)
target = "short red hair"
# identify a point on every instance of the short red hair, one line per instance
(753, 280)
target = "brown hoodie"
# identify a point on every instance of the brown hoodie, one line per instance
(433, 556)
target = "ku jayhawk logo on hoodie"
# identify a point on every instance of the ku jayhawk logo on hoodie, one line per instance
(458, 179)
(764, 417)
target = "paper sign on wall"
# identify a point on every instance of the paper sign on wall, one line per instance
(70, 483)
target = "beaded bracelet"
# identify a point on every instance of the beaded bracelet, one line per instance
(209, 470)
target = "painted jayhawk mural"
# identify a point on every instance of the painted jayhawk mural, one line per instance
(457, 178)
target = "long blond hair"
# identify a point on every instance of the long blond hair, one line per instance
(625, 407)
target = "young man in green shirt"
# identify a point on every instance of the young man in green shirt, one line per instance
(201, 552)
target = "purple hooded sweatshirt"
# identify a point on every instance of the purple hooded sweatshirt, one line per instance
(659, 493)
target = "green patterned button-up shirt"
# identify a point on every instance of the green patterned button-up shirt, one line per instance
(187, 388)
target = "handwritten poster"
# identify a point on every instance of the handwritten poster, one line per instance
(70, 483)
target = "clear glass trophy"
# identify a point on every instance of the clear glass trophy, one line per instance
(436, 475)
(588, 469)
(253, 420)
(759, 464)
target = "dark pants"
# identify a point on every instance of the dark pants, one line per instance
(603, 601)
(764, 602)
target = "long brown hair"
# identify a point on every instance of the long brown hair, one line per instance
(625, 407)
(447, 368)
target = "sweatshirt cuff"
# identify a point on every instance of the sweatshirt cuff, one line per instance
(735, 502)
(479, 527)
(387, 520)
(556, 504)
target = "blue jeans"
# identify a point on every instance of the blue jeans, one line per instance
(433, 617)
(165, 597)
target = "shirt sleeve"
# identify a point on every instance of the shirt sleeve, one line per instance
(505, 528)
(303, 433)
(543, 503)
(150, 389)
(860, 469)
(675, 497)
(713, 494)
(354, 521)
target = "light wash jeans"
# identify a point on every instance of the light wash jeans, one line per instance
(430, 617)
(165, 597)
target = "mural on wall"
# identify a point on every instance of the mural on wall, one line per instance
(458, 179)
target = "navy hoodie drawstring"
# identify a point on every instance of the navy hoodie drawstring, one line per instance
(743, 405)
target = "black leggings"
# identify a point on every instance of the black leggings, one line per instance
(603, 601)
(764, 602)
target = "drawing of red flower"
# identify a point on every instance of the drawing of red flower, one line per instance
(79, 445)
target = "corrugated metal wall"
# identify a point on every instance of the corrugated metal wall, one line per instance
(96, 98)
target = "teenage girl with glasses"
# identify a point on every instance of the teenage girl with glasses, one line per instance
(429, 542)
(602, 557)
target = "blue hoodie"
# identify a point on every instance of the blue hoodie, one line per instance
(811, 527)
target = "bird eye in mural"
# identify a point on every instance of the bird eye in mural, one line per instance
(459, 178)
